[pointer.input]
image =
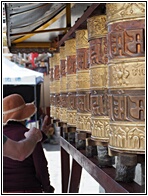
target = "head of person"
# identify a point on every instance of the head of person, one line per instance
(15, 109)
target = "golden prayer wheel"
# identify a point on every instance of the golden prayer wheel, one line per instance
(63, 86)
(70, 53)
(83, 82)
(52, 104)
(126, 27)
(97, 36)
(56, 63)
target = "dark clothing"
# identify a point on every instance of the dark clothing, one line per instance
(4, 139)
(30, 174)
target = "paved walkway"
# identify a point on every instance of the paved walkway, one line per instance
(52, 152)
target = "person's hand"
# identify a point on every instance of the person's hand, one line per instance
(34, 133)
(47, 129)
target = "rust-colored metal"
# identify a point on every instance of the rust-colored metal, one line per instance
(70, 53)
(83, 82)
(63, 86)
(126, 37)
(56, 81)
(97, 32)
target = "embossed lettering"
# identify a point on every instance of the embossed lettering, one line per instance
(127, 43)
(134, 41)
(138, 109)
(98, 51)
(63, 68)
(82, 59)
(71, 101)
(71, 65)
(97, 105)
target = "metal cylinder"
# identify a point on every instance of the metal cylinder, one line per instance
(83, 82)
(56, 63)
(70, 52)
(52, 104)
(126, 27)
(63, 86)
(97, 33)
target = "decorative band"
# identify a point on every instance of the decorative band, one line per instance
(14, 110)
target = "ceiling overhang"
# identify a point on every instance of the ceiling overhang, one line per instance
(40, 27)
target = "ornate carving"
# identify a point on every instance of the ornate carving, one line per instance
(57, 113)
(56, 88)
(82, 59)
(82, 39)
(56, 59)
(63, 100)
(126, 39)
(96, 26)
(63, 68)
(83, 80)
(99, 77)
(83, 122)
(51, 62)
(98, 51)
(52, 99)
(51, 76)
(100, 128)
(71, 117)
(83, 102)
(71, 99)
(62, 53)
(52, 111)
(70, 47)
(63, 84)
(127, 75)
(127, 106)
(127, 137)
(63, 115)
(124, 11)
(71, 82)
(99, 103)
(71, 64)
(56, 72)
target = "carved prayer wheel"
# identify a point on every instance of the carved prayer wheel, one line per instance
(70, 52)
(126, 27)
(97, 33)
(63, 86)
(56, 63)
(52, 100)
(83, 82)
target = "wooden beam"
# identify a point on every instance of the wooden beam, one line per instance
(32, 45)
(83, 18)
(41, 31)
(44, 26)
(68, 15)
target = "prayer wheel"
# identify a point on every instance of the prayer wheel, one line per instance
(83, 122)
(126, 98)
(63, 86)
(52, 100)
(56, 63)
(97, 33)
(70, 52)
(126, 27)
(97, 36)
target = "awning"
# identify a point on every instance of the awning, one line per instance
(38, 27)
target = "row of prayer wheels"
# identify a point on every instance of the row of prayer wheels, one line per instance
(97, 80)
